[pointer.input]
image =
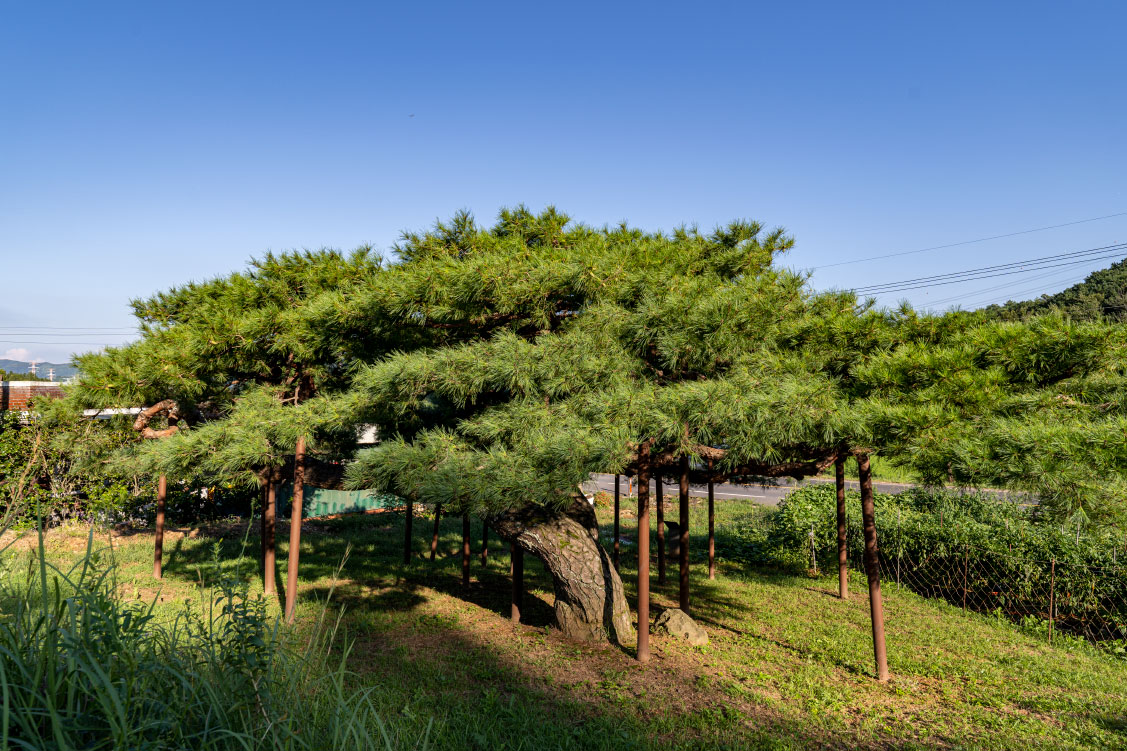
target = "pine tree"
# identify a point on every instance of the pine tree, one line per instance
(503, 365)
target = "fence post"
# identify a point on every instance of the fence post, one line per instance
(899, 548)
(813, 551)
(1052, 596)
(966, 565)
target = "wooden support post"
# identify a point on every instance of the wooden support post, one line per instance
(158, 535)
(617, 536)
(516, 556)
(842, 531)
(659, 500)
(872, 566)
(434, 538)
(269, 525)
(484, 543)
(465, 549)
(295, 528)
(683, 546)
(644, 555)
(408, 524)
(711, 525)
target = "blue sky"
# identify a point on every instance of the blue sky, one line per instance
(144, 145)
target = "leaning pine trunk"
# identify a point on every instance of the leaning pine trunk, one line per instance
(590, 602)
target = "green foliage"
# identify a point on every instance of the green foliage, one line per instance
(1101, 296)
(80, 668)
(6, 375)
(923, 521)
(504, 364)
(59, 460)
(1005, 545)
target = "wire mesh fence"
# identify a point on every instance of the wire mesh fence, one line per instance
(1060, 595)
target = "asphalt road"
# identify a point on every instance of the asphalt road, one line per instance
(768, 495)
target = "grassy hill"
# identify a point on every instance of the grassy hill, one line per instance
(1103, 294)
(789, 665)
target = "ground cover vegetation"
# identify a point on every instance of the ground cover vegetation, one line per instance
(84, 666)
(788, 665)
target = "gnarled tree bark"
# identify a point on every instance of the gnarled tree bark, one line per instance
(590, 602)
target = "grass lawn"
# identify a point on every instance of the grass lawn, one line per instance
(788, 666)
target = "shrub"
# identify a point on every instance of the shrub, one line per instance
(981, 550)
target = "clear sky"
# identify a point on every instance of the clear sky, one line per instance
(144, 145)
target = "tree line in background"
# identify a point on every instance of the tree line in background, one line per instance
(1102, 296)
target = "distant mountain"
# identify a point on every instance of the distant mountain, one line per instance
(63, 371)
(1103, 295)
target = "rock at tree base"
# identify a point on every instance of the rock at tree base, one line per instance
(676, 623)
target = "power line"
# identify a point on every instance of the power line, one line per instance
(70, 328)
(1079, 256)
(19, 341)
(1010, 296)
(991, 276)
(52, 334)
(988, 272)
(1006, 285)
(968, 242)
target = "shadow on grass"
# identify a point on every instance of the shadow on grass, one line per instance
(489, 690)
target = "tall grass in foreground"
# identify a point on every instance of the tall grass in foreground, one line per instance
(82, 669)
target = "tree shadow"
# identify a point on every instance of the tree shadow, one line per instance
(492, 692)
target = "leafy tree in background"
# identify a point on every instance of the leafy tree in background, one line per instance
(57, 458)
(14, 376)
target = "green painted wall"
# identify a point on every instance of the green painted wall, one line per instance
(325, 502)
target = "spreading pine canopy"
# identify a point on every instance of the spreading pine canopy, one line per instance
(503, 365)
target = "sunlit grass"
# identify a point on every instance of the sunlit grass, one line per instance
(788, 666)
